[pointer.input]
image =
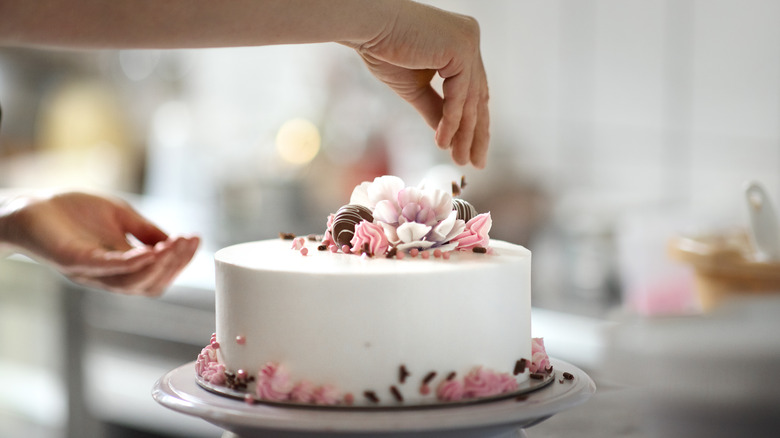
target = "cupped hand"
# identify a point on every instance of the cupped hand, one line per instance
(87, 238)
(420, 42)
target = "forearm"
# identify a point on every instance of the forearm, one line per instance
(97, 24)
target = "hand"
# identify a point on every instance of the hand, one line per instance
(421, 42)
(86, 238)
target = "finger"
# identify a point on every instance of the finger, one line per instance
(137, 225)
(177, 261)
(429, 104)
(455, 90)
(479, 148)
(462, 142)
(101, 262)
(151, 280)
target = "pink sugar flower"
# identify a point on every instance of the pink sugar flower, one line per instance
(273, 383)
(476, 233)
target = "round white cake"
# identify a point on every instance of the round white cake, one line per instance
(352, 322)
(404, 301)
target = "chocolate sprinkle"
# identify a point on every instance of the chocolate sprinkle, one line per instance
(287, 236)
(451, 376)
(479, 249)
(322, 247)
(537, 376)
(403, 373)
(568, 376)
(520, 398)
(455, 189)
(429, 377)
(371, 396)
(463, 181)
(520, 366)
(393, 251)
(397, 394)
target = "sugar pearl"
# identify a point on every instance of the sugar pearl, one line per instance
(414, 252)
(304, 251)
(240, 340)
(426, 255)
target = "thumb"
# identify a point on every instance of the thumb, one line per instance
(140, 227)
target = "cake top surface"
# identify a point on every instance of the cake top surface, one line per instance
(277, 255)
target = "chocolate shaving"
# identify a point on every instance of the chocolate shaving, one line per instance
(287, 236)
(403, 373)
(322, 247)
(371, 396)
(451, 376)
(568, 376)
(429, 377)
(548, 370)
(537, 376)
(463, 181)
(520, 366)
(479, 249)
(560, 381)
(397, 394)
(455, 189)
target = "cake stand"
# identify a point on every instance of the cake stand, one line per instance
(178, 390)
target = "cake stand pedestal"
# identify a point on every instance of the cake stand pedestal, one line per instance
(178, 390)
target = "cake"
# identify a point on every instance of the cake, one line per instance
(404, 301)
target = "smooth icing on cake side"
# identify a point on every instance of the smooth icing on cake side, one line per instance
(404, 301)
(353, 322)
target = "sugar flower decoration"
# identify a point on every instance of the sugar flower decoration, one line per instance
(411, 217)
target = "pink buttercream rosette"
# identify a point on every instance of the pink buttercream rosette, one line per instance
(478, 383)
(371, 236)
(208, 367)
(539, 359)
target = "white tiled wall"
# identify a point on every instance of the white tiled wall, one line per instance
(637, 100)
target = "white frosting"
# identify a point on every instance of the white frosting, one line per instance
(351, 321)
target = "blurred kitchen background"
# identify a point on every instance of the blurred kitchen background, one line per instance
(617, 125)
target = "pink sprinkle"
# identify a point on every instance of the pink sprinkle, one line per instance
(248, 399)
(400, 255)
(446, 255)
(333, 248)
(437, 253)
(413, 252)
(345, 249)
(304, 251)
(298, 243)
(349, 399)
(240, 340)
(426, 255)
(425, 389)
